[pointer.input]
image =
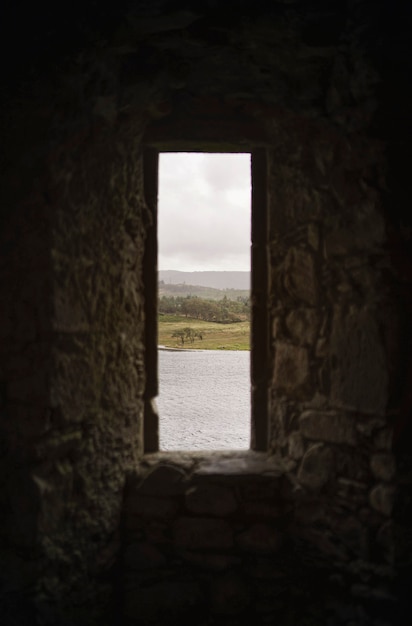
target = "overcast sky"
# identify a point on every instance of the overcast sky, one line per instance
(204, 211)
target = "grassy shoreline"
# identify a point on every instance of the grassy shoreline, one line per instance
(215, 336)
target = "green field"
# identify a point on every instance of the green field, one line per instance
(215, 336)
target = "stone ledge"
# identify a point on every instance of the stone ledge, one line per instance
(218, 463)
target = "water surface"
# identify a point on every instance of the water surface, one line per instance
(204, 400)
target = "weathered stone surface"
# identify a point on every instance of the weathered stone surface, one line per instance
(291, 367)
(354, 493)
(303, 325)
(296, 446)
(300, 276)
(299, 201)
(313, 236)
(211, 499)
(331, 427)
(386, 538)
(317, 467)
(359, 377)
(325, 543)
(259, 488)
(382, 498)
(318, 401)
(383, 439)
(322, 348)
(383, 466)
(370, 426)
(341, 242)
(277, 328)
(352, 463)
(164, 480)
(260, 538)
(244, 464)
(345, 241)
(202, 533)
(59, 444)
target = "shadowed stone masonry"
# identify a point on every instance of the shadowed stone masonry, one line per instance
(230, 535)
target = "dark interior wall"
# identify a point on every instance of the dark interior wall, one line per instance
(25, 347)
(72, 322)
(318, 88)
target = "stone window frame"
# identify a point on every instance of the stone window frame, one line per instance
(260, 333)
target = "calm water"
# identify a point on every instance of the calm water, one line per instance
(204, 401)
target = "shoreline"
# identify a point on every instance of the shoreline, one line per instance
(167, 349)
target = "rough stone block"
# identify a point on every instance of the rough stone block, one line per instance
(211, 499)
(351, 493)
(330, 427)
(352, 463)
(383, 466)
(317, 467)
(291, 367)
(164, 480)
(313, 236)
(368, 426)
(296, 446)
(322, 348)
(246, 464)
(260, 489)
(300, 278)
(303, 325)
(359, 377)
(365, 231)
(382, 499)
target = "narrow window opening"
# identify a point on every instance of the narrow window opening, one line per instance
(204, 235)
(260, 335)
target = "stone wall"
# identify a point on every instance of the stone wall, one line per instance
(73, 350)
(332, 361)
(321, 89)
(234, 539)
(25, 361)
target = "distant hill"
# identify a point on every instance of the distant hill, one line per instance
(216, 280)
(207, 293)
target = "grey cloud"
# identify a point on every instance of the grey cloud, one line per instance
(199, 222)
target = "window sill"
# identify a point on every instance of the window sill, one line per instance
(218, 463)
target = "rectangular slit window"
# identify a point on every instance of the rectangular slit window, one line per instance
(204, 233)
(200, 232)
